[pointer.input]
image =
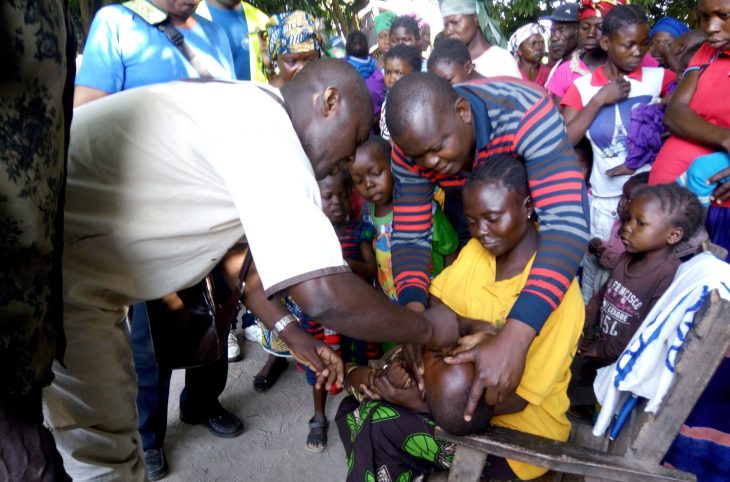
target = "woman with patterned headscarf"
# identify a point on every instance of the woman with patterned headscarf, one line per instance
(292, 40)
(527, 46)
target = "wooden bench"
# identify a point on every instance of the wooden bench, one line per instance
(638, 451)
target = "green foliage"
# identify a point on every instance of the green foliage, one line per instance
(512, 14)
(338, 15)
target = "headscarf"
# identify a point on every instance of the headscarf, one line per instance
(292, 33)
(598, 8)
(383, 21)
(457, 7)
(522, 34)
(672, 26)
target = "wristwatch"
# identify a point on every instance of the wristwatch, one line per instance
(283, 323)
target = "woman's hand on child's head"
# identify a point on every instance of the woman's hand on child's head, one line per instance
(316, 355)
(721, 192)
(469, 326)
(614, 91)
(499, 363)
(620, 170)
(469, 342)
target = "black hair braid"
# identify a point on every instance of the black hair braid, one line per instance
(684, 209)
(621, 16)
(505, 168)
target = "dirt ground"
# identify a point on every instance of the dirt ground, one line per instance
(272, 447)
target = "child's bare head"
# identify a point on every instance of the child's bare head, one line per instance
(630, 186)
(660, 216)
(447, 390)
(370, 171)
(335, 193)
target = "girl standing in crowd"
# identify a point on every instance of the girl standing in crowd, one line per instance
(373, 179)
(450, 60)
(404, 31)
(699, 117)
(292, 41)
(355, 238)
(659, 219)
(589, 54)
(527, 45)
(598, 106)
(400, 60)
(608, 252)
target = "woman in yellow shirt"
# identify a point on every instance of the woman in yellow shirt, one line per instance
(394, 442)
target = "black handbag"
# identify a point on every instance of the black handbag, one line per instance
(196, 334)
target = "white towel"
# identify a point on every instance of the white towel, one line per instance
(646, 366)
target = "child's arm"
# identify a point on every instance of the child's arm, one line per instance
(410, 397)
(367, 268)
(356, 377)
(620, 170)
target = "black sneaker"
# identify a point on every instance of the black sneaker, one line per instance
(220, 422)
(156, 464)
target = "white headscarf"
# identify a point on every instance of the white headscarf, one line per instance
(522, 34)
(457, 7)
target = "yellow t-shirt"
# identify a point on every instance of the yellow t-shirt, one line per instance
(469, 288)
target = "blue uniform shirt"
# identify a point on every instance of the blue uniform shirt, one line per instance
(233, 23)
(123, 51)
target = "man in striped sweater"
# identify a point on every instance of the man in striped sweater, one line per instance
(442, 132)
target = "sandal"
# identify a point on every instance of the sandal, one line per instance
(264, 382)
(317, 435)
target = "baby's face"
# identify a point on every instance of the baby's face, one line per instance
(443, 379)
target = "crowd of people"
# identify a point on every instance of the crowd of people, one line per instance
(455, 233)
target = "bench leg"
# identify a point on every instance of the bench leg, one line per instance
(468, 465)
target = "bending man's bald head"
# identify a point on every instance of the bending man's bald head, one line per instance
(415, 95)
(331, 112)
(322, 73)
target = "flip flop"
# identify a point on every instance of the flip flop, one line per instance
(262, 383)
(317, 434)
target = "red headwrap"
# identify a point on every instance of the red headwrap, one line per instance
(598, 8)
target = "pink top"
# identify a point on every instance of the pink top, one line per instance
(568, 71)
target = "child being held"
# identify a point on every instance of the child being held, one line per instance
(479, 288)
